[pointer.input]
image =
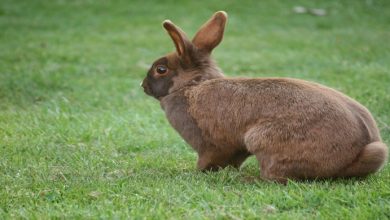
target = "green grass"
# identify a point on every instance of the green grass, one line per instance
(79, 139)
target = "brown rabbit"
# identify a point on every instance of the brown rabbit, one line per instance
(296, 129)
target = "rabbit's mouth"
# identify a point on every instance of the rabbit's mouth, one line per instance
(146, 88)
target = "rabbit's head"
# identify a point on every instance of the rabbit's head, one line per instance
(190, 63)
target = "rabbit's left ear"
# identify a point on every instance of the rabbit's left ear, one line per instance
(178, 37)
(211, 33)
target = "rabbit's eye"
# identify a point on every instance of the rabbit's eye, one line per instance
(161, 69)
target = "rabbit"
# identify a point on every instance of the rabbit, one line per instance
(296, 129)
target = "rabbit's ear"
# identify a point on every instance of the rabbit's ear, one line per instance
(211, 33)
(178, 37)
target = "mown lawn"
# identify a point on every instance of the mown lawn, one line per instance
(79, 139)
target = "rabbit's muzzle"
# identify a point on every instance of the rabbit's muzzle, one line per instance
(146, 87)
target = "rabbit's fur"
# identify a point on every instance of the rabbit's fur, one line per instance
(296, 129)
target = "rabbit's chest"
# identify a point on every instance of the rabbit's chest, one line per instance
(197, 130)
(176, 110)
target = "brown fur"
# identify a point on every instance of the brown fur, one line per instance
(296, 129)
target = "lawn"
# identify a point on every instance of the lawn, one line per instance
(80, 139)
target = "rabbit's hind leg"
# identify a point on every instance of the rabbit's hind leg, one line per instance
(278, 163)
(271, 169)
(279, 168)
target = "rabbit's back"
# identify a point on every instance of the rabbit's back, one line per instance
(283, 111)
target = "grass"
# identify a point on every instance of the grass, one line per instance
(79, 139)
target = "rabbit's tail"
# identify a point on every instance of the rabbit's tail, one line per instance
(372, 158)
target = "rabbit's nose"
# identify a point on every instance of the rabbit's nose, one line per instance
(146, 88)
(143, 84)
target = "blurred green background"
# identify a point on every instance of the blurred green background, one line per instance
(78, 138)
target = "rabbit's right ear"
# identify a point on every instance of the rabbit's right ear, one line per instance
(211, 33)
(178, 36)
